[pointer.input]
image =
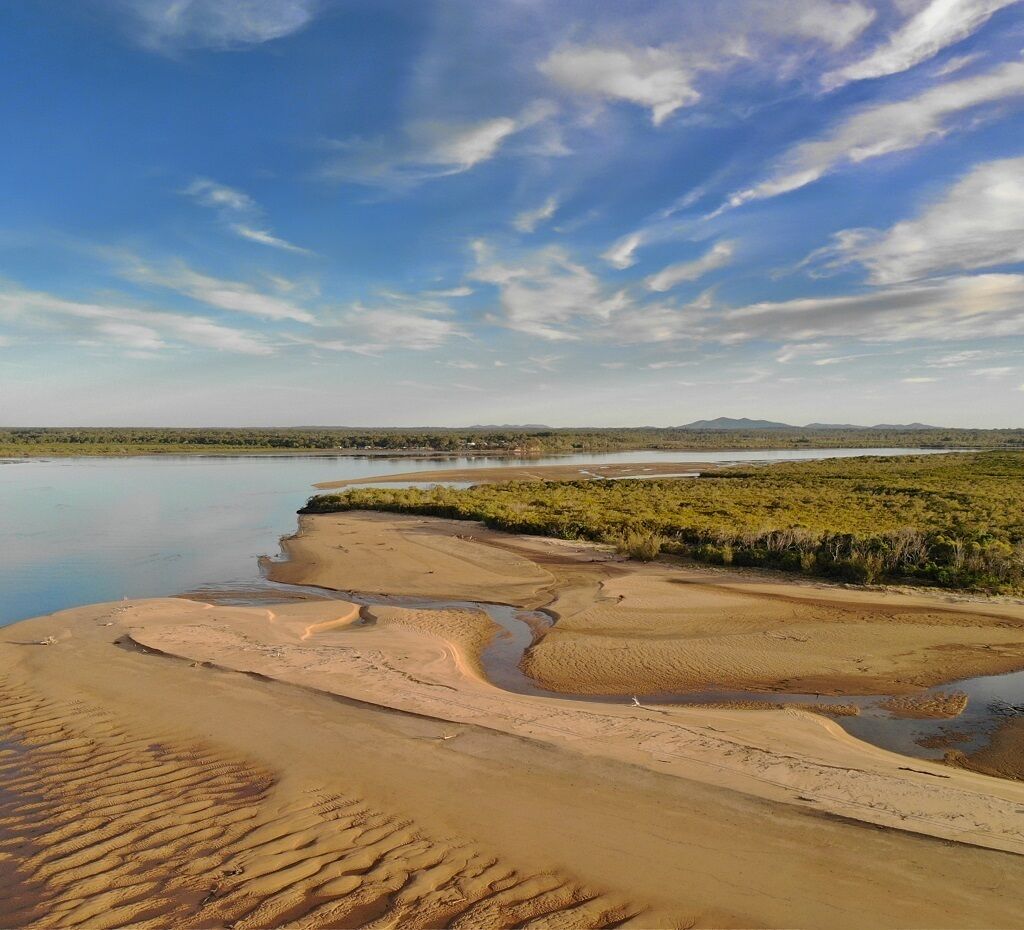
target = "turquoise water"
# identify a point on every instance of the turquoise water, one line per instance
(83, 530)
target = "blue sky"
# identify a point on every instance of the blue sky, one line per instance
(545, 211)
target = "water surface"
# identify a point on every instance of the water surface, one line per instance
(83, 530)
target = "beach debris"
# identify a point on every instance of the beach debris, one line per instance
(636, 701)
(49, 641)
(447, 736)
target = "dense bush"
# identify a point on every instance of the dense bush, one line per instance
(952, 520)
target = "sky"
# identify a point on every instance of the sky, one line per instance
(452, 212)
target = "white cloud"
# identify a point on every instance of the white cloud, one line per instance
(460, 291)
(237, 211)
(718, 255)
(125, 327)
(169, 25)
(886, 128)
(936, 26)
(265, 238)
(919, 380)
(529, 220)
(622, 253)
(376, 329)
(977, 223)
(958, 359)
(944, 310)
(792, 352)
(209, 193)
(956, 63)
(995, 372)
(547, 294)
(431, 148)
(217, 292)
(836, 24)
(652, 78)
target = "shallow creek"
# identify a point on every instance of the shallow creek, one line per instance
(991, 699)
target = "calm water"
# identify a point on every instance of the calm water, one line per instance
(83, 530)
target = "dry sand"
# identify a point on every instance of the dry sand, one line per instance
(170, 762)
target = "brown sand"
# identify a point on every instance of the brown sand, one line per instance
(628, 628)
(530, 473)
(168, 762)
(144, 789)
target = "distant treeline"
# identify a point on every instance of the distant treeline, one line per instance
(28, 441)
(955, 521)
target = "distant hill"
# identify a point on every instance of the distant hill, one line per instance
(731, 423)
(505, 426)
(886, 426)
(741, 423)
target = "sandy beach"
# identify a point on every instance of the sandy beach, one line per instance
(319, 764)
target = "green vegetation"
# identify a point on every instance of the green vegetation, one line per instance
(950, 520)
(30, 441)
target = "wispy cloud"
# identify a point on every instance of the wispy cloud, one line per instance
(372, 329)
(265, 238)
(622, 253)
(886, 128)
(126, 327)
(937, 25)
(430, 148)
(223, 294)
(174, 25)
(976, 223)
(546, 294)
(943, 310)
(238, 211)
(529, 220)
(717, 256)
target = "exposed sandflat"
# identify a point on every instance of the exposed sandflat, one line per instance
(156, 791)
(169, 762)
(498, 473)
(630, 628)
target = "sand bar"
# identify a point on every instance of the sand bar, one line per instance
(529, 472)
(172, 761)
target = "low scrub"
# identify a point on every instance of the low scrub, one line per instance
(950, 520)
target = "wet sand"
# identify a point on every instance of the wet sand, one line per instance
(174, 762)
